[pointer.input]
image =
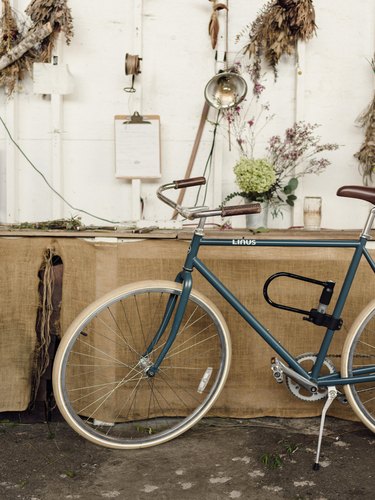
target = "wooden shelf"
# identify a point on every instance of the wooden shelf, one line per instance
(293, 233)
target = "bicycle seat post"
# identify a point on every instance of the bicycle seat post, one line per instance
(368, 226)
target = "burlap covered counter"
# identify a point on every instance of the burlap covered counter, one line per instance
(91, 268)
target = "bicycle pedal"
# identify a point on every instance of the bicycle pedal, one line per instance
(277, 370)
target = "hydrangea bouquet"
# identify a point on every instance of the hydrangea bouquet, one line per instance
(258, 181)
(274, 178)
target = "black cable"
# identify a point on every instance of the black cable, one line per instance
(48, 184)
(208, 165)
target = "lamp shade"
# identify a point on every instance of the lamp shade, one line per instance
(225, 90)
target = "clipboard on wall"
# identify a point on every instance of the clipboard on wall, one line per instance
(137, 146)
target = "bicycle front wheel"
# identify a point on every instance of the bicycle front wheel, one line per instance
(100, 376)
(359, 355)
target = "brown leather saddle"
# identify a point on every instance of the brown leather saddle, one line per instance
(361, 192)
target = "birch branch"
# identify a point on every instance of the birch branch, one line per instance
(26, 44)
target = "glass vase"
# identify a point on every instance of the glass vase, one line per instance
(254, 221)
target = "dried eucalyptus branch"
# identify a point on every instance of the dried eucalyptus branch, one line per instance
(366, 155)
(276, 31)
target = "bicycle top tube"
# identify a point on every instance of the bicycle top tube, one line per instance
(253, 242)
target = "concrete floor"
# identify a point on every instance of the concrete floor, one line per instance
(218, 459)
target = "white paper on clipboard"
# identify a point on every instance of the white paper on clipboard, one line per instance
(137, 146)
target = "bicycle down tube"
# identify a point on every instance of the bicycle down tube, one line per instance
(193, 262)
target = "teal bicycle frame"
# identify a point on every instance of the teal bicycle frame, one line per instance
(193, 262)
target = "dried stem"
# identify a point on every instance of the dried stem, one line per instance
(366, 155)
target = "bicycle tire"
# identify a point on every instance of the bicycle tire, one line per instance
(100, 383)
(359, 350)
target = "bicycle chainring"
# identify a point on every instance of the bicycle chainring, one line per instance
(307, 360)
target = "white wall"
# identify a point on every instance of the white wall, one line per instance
(178, 60)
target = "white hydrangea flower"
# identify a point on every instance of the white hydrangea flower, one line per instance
(254, 175)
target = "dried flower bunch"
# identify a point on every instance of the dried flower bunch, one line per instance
(274, 178)
(298, 152)
(366, 155)
(59, 15)
(246, 121)
(276, 31)
(22, 43)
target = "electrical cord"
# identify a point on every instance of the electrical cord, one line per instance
(46, 181)
(208, 165)
(207, 168)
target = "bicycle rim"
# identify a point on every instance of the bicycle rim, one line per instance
(359, 352)
(100, 380)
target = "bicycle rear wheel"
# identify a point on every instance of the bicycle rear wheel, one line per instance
(359, 353)
(100, 381)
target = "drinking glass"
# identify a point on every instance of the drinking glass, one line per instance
(312, 213)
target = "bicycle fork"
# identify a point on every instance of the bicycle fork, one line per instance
(171, 305)
(184, 277)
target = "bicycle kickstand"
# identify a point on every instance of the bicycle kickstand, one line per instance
(332, 394)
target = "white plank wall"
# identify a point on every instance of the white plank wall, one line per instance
(336, 84)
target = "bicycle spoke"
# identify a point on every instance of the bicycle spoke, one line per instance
(366, 344)
(101, 352)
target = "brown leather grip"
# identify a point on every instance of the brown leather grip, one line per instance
(193, 181)
(253, 208)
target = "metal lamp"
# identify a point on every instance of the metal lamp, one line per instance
(225, 90)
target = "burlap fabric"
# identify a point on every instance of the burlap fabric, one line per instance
(91, 269)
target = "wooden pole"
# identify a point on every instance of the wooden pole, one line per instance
(57, 145)
(297, 210)
(194, 151)
(137, 48)
(221, 64)
(11, 164)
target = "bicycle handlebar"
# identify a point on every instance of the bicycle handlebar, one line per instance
(253, 208)
(194, 181)
(200, 212)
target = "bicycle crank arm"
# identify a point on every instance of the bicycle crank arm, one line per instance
(279, 369)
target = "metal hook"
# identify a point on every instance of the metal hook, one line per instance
(131, 89)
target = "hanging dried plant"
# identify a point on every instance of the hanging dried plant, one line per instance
(58, 14)
(11, 33)
(276, 31)
(213, 27)
(366, 155)
(20, 46)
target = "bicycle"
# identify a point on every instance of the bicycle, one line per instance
(144, 363)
